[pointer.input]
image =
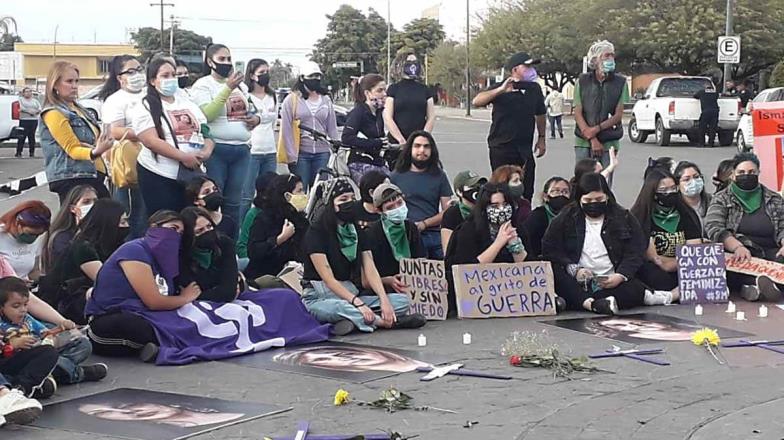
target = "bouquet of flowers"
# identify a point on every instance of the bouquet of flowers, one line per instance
(529, 350)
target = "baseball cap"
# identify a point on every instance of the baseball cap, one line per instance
(467, 179)
(309, 68)
(384, 193)
(520, 58)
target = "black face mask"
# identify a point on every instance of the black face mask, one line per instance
(747, 182)
(594, 209)
(207, 240)
(122, 233)
(222, 69)
(667, 200)
(213, 201)
(183, 82)
(412, 69)
(345, 213)
(421, 164)
(558, 203)
(471, 194)
(263, 80)
(313, 85)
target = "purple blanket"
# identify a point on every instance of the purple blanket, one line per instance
(256, 321)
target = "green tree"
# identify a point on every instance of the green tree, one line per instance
(148, 41)
(447, 68)
(777, 77)
(280, 74)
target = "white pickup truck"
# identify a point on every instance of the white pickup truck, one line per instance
(9, 117)
(668, 107)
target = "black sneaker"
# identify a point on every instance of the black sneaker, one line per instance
(768, 290)
(560, 304)
(95, 372)
(18, 155)
(605, 306)
(342, 327)
(149, 352)
(415, 320)
(46, 390)
(750, 293)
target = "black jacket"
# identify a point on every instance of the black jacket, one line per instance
(533, 231)
(622, 235)
(361, 120)
(266, 257)
(468, 241)
(217, 282)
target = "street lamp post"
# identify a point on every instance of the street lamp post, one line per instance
(468, 68)
(389, 46)
(728, 32)
(162, 5)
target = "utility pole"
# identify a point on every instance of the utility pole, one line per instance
(162, 5)
(172, 25)
(389, 44)
(468, 68)
(728, 32)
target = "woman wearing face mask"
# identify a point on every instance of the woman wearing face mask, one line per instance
(364, 130)
(512, 175)
(279, 228)
(748, 218)
(169, 144)
(556, 195)
(72, 141)
(309, 104)
(467, 185)
(77, 204)
(669, 222)
(231, 119)
(203, 192)
(207, 257)
(409, 104)
(139, 276)
(183, 76)
(122, 91)
(262, 139)
(692, 187)
(20, 229)
(337, 255)
(103, 230)
(596, 248)
(242, 241)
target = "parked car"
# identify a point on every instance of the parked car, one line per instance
(91, 103)
(668, 107)
(745, 133)
(9, 117)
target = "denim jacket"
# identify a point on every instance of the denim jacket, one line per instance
(58, 165)
(725, 214)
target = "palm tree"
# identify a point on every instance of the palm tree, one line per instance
(6, 23)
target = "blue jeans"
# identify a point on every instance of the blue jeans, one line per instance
(259, 165)
(431, 240)
(327, 306)
(581, 153)
(308, 166)
(68, 369)
(228, 167)
(131, 198)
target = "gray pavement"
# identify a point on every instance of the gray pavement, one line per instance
(694, 398)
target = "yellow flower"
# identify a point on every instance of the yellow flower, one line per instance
(342, 397)
(709, 335)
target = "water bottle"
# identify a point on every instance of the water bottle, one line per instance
(196, 141)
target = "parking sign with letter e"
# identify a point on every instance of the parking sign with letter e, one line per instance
(729, 50)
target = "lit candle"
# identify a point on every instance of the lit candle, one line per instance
(698, 310)
(763, 311)
(740, 316)
(730, 307)
(466, 338)
(422, 340)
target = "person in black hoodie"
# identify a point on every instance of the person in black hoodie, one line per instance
(202, 191)
(557, 194)
(366, 119)
(277, 232)
(596, 248)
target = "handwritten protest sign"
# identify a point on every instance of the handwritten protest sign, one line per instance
(504, 289)
(702, 276)
(427, 287)
(758, 266)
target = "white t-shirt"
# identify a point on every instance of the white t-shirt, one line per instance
(185, 118)
(594, 256)
(119, 106)
(20, 256)
(262, 139)
(226, 128)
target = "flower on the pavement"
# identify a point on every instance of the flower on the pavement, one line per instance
(342, 397)
(705, 336)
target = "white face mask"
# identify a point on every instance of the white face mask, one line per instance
(83, 210)
(136, 82)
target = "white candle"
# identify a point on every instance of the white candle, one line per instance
(730, 307)
(466, 338)
(422, 340)
(698, 310)
(740, 316)
(763, 311)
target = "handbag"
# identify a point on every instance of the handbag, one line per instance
(123, 162)
(184, 174)
(282, 156)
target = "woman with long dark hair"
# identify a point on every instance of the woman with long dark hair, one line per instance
(556, 195)
(513, 176)
(691, 182)
(77, 203)
(366, 119)
(169, 127)
(242, 241)
(203, 192)
(669, 223)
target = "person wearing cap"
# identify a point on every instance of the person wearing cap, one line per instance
(467, 185)
(363, 211)
(337, 255)
(20, 232)
(310, 104)
(393, 238)
(599, 96)
(518, 102)
(410, 105)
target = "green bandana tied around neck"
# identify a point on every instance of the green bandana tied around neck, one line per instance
(749, 200)
(203, 258)
(464, 209)
(666, 218)
(550, 214)
(396, 236)
(347, 237)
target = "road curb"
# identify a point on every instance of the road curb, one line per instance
(465, 118)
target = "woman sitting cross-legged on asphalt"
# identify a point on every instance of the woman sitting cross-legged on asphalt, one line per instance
(557, 194)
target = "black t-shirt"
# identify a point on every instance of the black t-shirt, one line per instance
(452, 218)
(385, 260)
(362, 218)
(410, 112)
(666, 242)
(759, 228)
(320, 241)
(514, 115)
(745, 96)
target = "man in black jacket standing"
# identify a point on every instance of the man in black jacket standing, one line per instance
(709, 118)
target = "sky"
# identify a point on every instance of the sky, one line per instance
(263, 28)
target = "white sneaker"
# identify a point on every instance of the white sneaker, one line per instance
(657, 297)
(2, 421)
(17, 409)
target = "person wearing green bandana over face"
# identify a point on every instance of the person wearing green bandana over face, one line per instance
(466, 185)
(668, 222)
(557, 194)
(393, 238)
(338, 254)
(748, 219)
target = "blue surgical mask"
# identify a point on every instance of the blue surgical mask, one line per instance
(530, 75)
(608, 66)
(694, 187)
(397, 215)
(169, 86)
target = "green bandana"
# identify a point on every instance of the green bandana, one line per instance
(203, 258)
(347, 237)
(666, 219)
(550, 214)
(749, 200)
(464, 209)
(396, 236)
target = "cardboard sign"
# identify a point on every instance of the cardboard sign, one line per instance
(702, 274)
(427, 287)
(767, 121)
(758, 266)
(501, 290)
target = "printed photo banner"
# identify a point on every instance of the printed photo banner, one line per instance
(427, 287)
(502, 290)
(758, 266)
(702, 274)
